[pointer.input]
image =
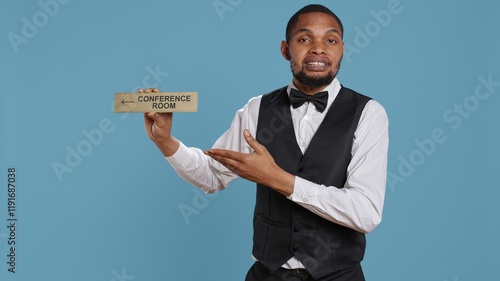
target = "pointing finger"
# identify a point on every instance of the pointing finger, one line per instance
(227, 154)
(222, 157)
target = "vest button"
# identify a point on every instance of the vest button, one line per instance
(294, 249)
(296, 229)
(301, 169)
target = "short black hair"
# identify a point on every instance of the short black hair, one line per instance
(313, 8)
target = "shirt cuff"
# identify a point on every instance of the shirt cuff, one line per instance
(176, 159)
(303, 190)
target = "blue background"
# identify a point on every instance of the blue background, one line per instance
(117, 213)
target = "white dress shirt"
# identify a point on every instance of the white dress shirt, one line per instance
(357, 206)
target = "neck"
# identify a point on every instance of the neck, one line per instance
(307, 89)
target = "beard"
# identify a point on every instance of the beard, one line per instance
(315, 81)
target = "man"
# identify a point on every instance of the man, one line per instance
(319, 164)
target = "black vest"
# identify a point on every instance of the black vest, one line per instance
(282, 228)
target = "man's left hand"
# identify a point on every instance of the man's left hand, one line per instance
(258, 166)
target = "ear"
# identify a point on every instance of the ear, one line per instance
(285, 51)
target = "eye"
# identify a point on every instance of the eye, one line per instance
(304, 40)
(331, 41)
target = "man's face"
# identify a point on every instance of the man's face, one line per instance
(314, 51)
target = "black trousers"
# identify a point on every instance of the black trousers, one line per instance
(259, 273)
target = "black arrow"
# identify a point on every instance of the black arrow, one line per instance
(127, 101)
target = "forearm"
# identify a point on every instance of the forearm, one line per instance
(349, 207)
(195, 167)
(169, 146)
(280, 181)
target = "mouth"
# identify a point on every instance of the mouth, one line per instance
(316, 64)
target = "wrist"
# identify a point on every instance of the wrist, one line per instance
(283, 182)
(168, 146)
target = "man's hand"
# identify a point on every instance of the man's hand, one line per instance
(159, 128)
(258, 166)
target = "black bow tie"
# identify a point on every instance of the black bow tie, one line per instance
(297, 98)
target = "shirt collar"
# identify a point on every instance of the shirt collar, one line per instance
(333, 90)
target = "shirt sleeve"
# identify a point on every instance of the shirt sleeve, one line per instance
(359, 204)
(191, 164)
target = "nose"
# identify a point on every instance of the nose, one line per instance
(318, 49)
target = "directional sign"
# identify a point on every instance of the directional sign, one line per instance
(156, 102)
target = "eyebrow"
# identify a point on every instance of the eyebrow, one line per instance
(307, 30)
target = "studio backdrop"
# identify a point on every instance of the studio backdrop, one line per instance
(85, 195)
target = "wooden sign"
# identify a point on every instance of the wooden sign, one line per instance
(156, 102)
